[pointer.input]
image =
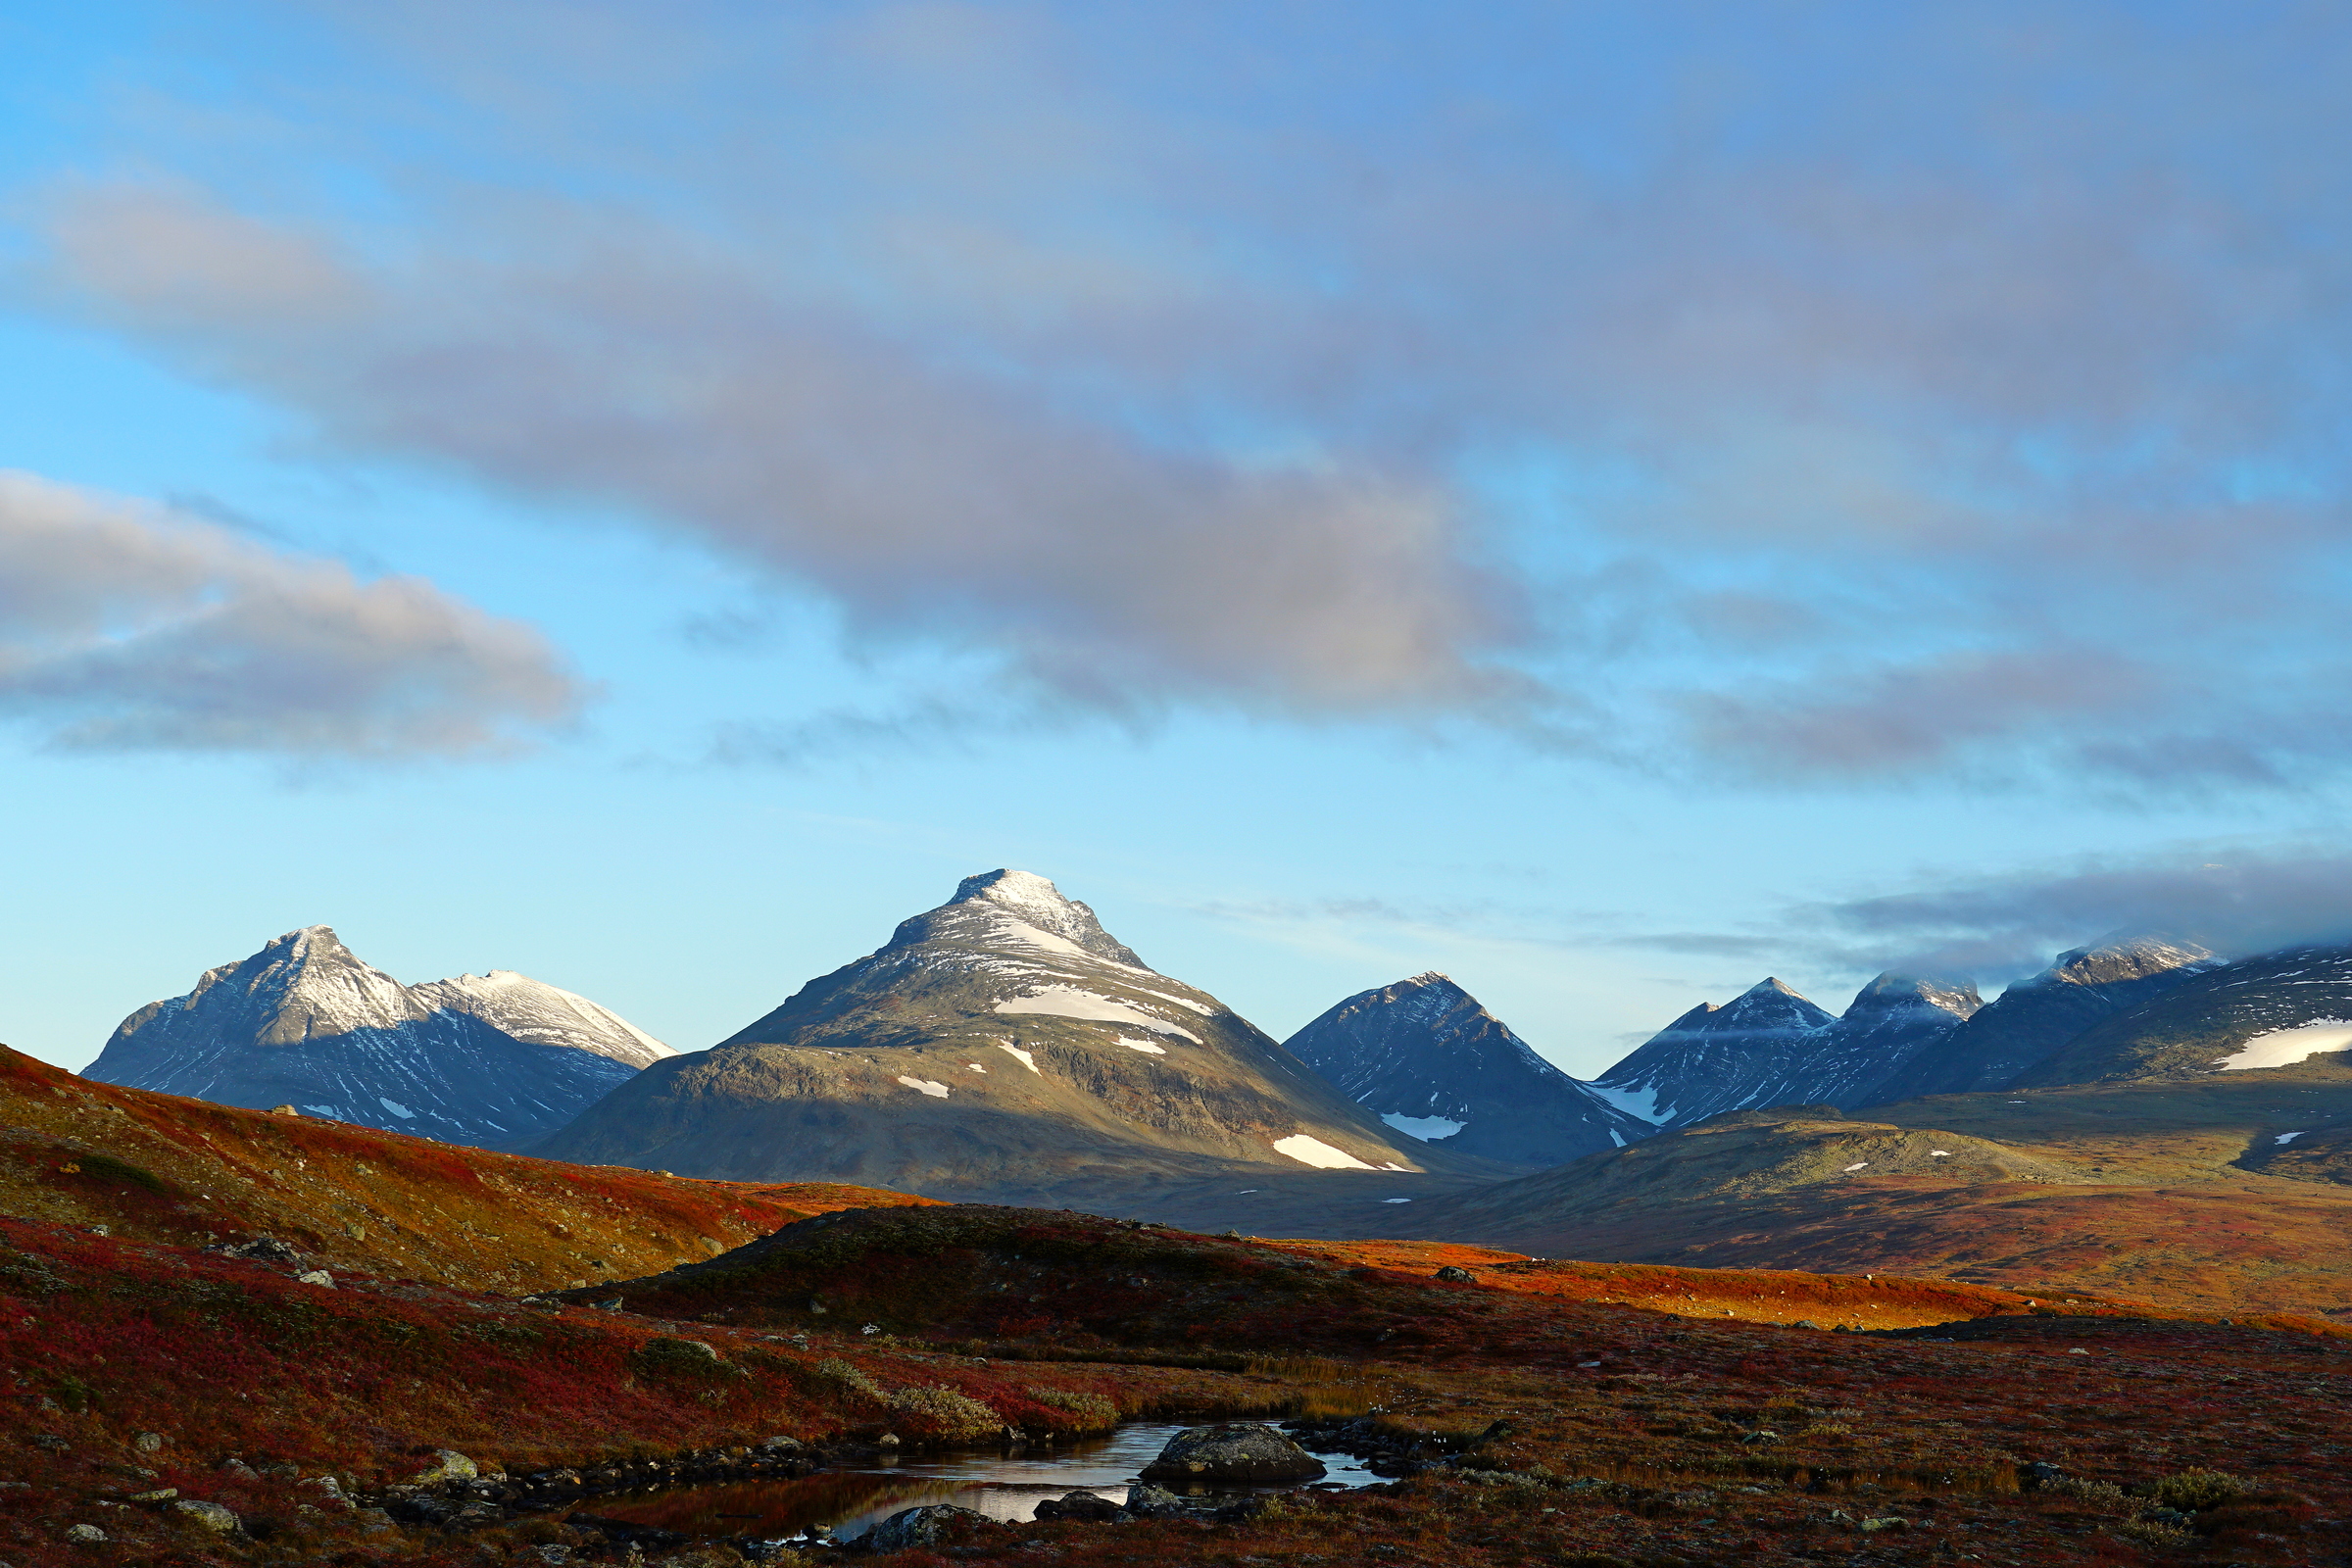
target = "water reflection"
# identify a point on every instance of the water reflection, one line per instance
(1007, 1487)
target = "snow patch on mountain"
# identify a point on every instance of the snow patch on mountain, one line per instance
(2284, 1047)
(1315, 1152)
(1067, 1002)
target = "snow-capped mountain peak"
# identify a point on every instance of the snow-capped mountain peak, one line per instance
(1019, 910)
(306, 1021)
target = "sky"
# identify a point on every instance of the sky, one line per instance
(1608, 502)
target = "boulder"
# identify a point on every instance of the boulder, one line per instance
(1152, 1502)
(1084, 1506)
(448, 1465)
(316, 1276)
(85, 1535)
(1456, 1276)
(929, 1525)
(1244, 1451)
(260, 1250)
(210, 1516)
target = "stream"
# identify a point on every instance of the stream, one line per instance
(1001, 1486)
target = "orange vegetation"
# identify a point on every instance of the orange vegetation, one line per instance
(161, 1168)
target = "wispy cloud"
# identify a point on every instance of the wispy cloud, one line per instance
(1848, 392)
(126, 626)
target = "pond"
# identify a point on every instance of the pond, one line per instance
(1007, 1487)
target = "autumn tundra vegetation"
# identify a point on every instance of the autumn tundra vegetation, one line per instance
(232, 1336)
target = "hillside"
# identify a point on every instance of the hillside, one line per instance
(161, 1168)
(2031, 1021)
(2173, 1193)
(2274, 1010)
(1001, 1046)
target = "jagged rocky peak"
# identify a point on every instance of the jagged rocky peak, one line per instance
(1896, 993)
(1019, 906)
(2124, 955)
(1434, 1064)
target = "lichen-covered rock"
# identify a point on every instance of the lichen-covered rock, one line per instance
(1452, 1274)
(448, 1465)
(209, 1516)
(927, 1526)
(1247, 1451)
(85, 1535)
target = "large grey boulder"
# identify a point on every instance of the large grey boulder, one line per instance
(929, 1525)
(1247, 1451)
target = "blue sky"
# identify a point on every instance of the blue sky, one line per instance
(1607, 502)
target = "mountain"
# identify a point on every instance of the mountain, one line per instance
(1889, 1022)
(2032, 1021)
(1717, 1058)
(488, 1059)
(1431, 1064)
(2275, 1010)
(1001, 1046)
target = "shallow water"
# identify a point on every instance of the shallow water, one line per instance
(1007, 1487)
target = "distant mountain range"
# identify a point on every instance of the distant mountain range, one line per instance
(1425, 1057)
(490, 1059)
(1002, 1046)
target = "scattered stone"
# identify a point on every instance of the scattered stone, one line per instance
(554, 1553)
(448, 1465)
(1151, 1501)
(206, 1515)
(237, 1469)
(159, 1495)
(1457, 1275)
(888, 1440)
(1806, 1323)
(284, 1111)
(51, 1442)
(85, 1535)
(1248, 1451)
(316, 1276)
(148, 1442)
(1871, 1526)
(927, 1526)
(1765, 1435)
(258, 1250)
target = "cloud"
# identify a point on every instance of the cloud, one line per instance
(1846, 392)
(126, 626)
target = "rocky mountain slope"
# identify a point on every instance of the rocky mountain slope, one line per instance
(2032, 1021)
(487, 1059)
(1429, 1062)
(2275, 1010)
(1715, 1058)
(1771, 1047)
(1003, 1044)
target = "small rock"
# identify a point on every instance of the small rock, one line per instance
(51, 1442)
(85, 1535)
(278, 1471)
(1871, 1526)
(554, 1553)
(448, 1465)
(1764, 1436)
(159, 1495)
(888, 1440)
(1248, 1451)
(284, 1111)
(1151, 1502)
(258, 1250)
(776, 1445)
(316, 1276)
(1457, 1276)
(1806, 1323)
(237, 1469)
(1084, 1506)
(148, 1442)
(2078, 1351)
(206, 1515)
(927, 1526)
